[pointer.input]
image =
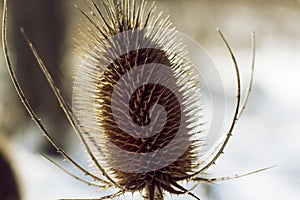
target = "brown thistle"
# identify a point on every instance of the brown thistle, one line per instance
(123, 48)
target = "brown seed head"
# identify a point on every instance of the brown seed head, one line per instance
(141, 89)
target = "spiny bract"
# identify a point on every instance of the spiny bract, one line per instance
(131, 62)
(135, 102)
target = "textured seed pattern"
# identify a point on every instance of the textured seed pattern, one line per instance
(135, 103)
(148, 49)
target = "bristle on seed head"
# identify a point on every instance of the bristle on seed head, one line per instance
(134, 93)
(135, 102)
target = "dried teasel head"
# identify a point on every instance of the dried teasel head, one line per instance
(135, 102)
(135, 97)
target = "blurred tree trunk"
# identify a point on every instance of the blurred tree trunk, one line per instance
(9, 189)
(44, 22)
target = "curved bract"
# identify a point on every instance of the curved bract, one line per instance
(135, 102)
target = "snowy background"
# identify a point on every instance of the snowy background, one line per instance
(266, 135)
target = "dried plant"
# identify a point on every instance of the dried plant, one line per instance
(132, 67)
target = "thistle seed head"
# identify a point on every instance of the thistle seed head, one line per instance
(135, 102)
(133, 94)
